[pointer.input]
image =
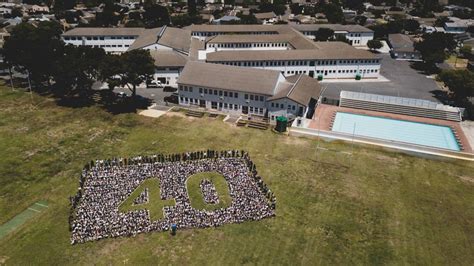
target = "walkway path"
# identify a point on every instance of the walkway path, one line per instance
(22, 218)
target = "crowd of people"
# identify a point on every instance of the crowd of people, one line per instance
(142, 198)
(209, 192)
(106, 184)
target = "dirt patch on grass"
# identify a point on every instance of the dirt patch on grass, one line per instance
(174, 114)
(3, 260)
(467, 179)
(295, 141)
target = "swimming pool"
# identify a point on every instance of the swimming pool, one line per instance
(396, 130)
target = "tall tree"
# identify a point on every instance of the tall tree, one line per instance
(155, 15)
(77, 69)
(34, 50)
(374, 44)
(324, 34)
(129, 69)
(434, 47)
(460, 83)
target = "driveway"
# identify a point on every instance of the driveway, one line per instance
(404, 82)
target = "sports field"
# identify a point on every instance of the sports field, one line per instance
(377, 208)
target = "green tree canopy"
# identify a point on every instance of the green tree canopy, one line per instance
(155, 15)
(374, 44)
(434, 47)
(460, 84)
(324, 34)
(77, 69)
(129, 69)
(34, 49)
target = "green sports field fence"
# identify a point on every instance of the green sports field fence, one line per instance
(22, 218)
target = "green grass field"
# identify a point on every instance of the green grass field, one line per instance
(195, 194)
(380, 208)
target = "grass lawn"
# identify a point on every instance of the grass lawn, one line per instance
(154, 205)
(378, 208)
(195, 194)
(459, 63)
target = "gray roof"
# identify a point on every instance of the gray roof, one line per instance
(234, 28)
(265, 15)
(229, 78)
(328, 50)
(301, 89)
(401, 42)
(397, 101)
(334, 27)
(104, 32)
(146, 38)
(165, 58)
(175, 38)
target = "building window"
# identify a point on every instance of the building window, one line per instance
(251, 97)
(225, 93)
(236, 95)
(246, 96)
(200, 90)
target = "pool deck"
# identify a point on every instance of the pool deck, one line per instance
(324, 114)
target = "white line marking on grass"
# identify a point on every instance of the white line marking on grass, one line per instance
(41, 204)
(33, 210)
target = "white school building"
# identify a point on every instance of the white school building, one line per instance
(238, 90)
(280, 48)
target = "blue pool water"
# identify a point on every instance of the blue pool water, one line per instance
(396, 130)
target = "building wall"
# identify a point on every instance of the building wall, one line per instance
(222, 100)
(400, 55)
(168, 76)
(356, 38)
(202, 35)
(214, 47)
(284, 107)
(111, 44)
(331, 69)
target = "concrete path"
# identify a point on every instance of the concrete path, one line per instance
(22, 218)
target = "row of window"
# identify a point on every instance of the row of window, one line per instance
(96, 38)
(108, 46)
(223, 93)
(346, 71)
(228, 106)
(247, 45)
(223, 33)
(282, 106)
(298, 63)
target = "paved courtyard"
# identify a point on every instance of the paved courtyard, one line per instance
(404, 82)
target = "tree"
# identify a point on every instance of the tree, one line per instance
(129, 69)
(17, 12)
(354, 4)
(466, 51)
(296, 9)
(324, 34)
(185, 20)
(361, 20)
(33, 50)
(245, 19)
(460, 83)
(411, 25)
(155, 15)
(440, 21)
(78, 68)
(333, 13)
(434, 47)
(374, 44)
